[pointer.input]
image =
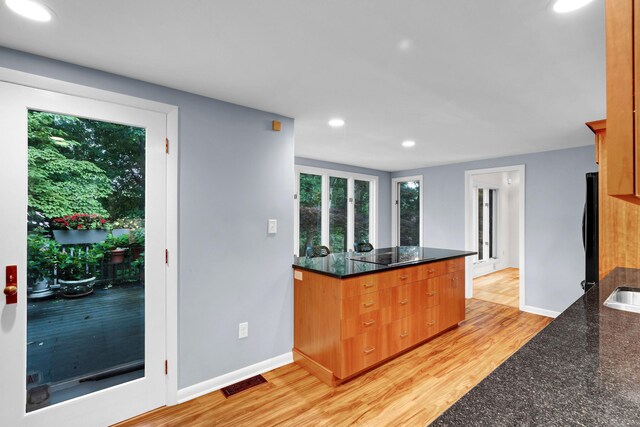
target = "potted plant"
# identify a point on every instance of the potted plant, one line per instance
(136, 243)
(43, 254)
(79, 228)
(116, 246)
(77, 271)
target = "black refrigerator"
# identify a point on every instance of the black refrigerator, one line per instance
(590, 232)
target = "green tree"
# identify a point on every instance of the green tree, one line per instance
(101, 166)
(58, 183)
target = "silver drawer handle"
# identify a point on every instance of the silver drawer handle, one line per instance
(404, 302)
(368, 350)
(369, 323)
(403, 277)
(433, 293)
(404, 334)
(433, 322)
(368, 304)
(369, 285)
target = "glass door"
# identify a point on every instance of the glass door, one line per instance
(86, 336)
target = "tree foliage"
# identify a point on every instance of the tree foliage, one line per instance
(310, 212)
(85, 166)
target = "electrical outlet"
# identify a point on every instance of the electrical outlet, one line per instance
(243, 330)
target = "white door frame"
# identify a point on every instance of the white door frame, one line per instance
(468, 226)
(394, 207)
(171, 310)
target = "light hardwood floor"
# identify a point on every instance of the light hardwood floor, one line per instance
(501, 287)
(411, 390)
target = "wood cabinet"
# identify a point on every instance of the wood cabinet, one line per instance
(623, 83)
(345, 326)
(618, 220)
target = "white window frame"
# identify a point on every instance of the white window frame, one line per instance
(394, 206)
(324, 227)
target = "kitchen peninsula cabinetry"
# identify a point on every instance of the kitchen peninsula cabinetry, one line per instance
(345, 325)
(623, 96)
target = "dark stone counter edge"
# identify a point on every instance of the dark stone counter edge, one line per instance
(381, 268)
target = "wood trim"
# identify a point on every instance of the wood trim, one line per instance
(314, 368)
(598, 127)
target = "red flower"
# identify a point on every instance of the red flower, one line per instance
(102, 221)
(79, 226)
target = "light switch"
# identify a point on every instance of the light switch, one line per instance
(273, 226)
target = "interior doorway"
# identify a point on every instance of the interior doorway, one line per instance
(495, 231)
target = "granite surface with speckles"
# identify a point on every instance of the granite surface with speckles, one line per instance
(583, 369)
(350, 264)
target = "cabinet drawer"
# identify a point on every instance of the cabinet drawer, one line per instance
(410, 274)
(434, 269)
(368, 283)
(362, 351)
(429, 293)
(405, 300)
(429, 322)
(365, 303)
(364, 323)
(404, 333)
(453, 265)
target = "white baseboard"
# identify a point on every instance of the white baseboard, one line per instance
(540, 311)
(217, 383)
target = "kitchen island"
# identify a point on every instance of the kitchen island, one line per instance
(582, 369)
(353, 311)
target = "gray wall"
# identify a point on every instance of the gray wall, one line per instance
(235, 174)
(554, 198)
(384, 193)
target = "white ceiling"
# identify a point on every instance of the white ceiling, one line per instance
(466, 79)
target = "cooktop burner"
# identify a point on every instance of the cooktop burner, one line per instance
(392, 258)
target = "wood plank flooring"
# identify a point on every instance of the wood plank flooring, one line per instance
(501, 287)
(410, 390)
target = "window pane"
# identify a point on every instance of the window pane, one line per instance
(310, 212)
(480, 224)
(361, 195)
(493, 224)
(337, 214)
(85, 251)
(409, 213)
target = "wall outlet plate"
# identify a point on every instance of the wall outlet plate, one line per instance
(273, 226)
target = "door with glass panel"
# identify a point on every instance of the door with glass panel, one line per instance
(407, 212)
(83, 214)
(333, 209)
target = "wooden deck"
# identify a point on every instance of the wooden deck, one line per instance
(74, 338)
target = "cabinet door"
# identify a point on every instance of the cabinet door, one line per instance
(622, 128)
(452, 305)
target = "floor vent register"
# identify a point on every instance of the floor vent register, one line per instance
(242, 385)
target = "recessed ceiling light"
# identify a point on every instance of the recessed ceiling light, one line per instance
(408, 143)
(30, 9)
(405, 45)
(336, 123)
(564, 6)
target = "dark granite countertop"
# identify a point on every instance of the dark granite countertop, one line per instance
(583, 369)
(348, 264)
